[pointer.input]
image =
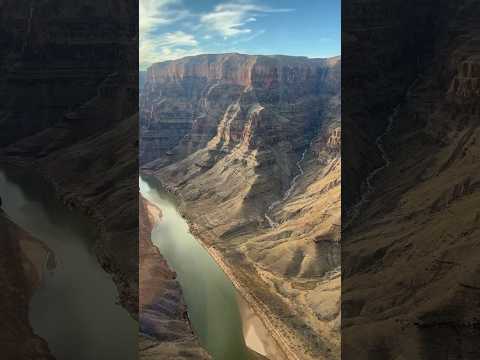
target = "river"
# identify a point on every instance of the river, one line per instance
(215, 308)
(75, 308)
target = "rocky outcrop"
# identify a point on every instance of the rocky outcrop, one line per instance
(328, 144)
(21, 261)
(409, 260)
(233, 136)
(465, 86)
(164, 325)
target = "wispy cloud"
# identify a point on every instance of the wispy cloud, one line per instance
(157, 46)
(177, 38)
(249, 37)
(167, 27)
(231, 19)
(167, 46)
(155, 13)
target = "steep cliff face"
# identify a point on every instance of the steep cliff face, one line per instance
(166, 332)
(410, 258)
(248, 144)
(184, 101)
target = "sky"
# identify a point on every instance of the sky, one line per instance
(172, 29)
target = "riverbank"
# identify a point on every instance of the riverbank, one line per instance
(268, 319)
(21, 260)
(87, 294)
(67, 193)
(165, 328)
(37, 258)
(260, 310)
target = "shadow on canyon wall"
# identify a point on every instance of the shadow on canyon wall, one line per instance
(410, 274)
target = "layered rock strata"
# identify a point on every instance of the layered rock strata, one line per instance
(248, 145)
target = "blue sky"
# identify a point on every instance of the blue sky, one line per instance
(171, 29)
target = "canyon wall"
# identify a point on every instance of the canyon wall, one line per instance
(410, 258)
(251, 147)
(384, 46)
(184, 100)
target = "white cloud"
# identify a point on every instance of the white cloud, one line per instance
(249, 37)
(157, 46)
(167, 46)
(177, 38)
(167, 27)
(155, 13)
(231, 19)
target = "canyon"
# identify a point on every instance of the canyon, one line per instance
(410, 253)
(68, 113)
(66, 265)
(231, 134)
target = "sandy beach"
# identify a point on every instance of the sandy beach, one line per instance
(257, 337)
(261, 312)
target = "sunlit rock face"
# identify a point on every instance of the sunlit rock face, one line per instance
(251, 145)
(184, 100)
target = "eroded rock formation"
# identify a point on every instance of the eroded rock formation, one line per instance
(242, 139)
